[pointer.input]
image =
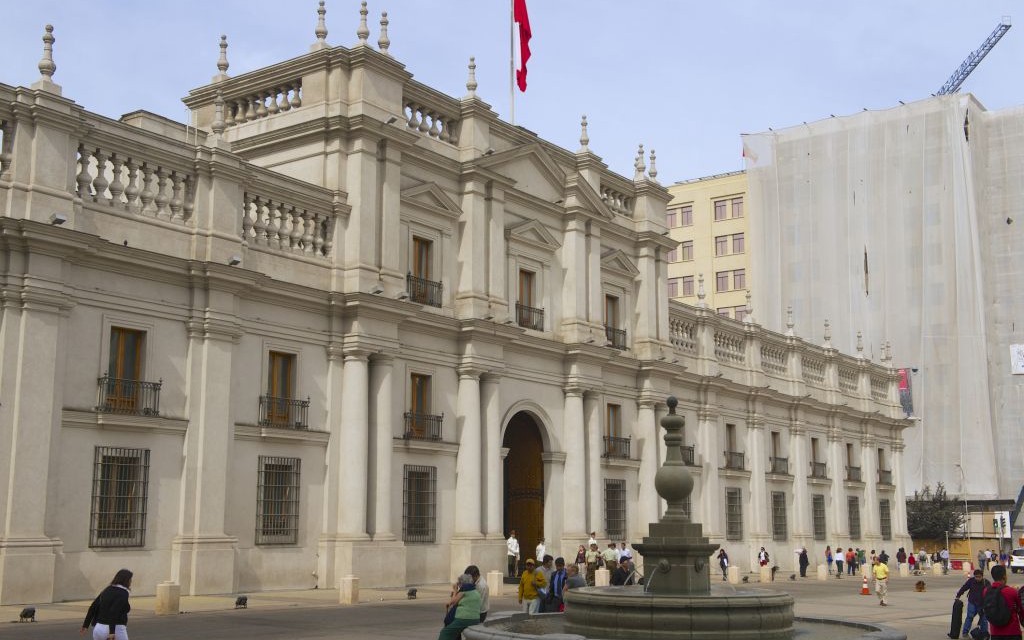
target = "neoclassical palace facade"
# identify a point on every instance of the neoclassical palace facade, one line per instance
(344, 324)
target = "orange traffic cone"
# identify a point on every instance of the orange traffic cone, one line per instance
(864, 591)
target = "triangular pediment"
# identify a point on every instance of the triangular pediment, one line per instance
(532, 168)
(429, 196)
(533, 233)
(617, 261)
(579, 193)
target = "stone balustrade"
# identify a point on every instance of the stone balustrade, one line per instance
(617, 201)
(253, 105)
(286, 217)
(430, 113)
(879, 387)
(773, 358)
(848, 377)
(813, 368)
(6, 139)
(730, 345)
(683, 335)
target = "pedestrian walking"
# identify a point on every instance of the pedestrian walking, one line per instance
(1003, 616)
(881, 572)
(974, 587)
(723, 562)
(804, 562)
(829, 558)
(839, 557)
(108, 613)
(531, 584)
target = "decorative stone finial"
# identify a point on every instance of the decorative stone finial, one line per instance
(47, 67)
(789, 321)
(218, 116)
(471, 79)
(584, 138)
(222, 61)
(700, 290)
(672, 404)
(828, 335)
(748, 317)
(653, 171)
(383, 42)
(638, 165)
(363, 32)
(321, 23)
(860, 345)
(673, 481)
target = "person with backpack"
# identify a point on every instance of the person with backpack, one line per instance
(1002, 606)
(974, 588)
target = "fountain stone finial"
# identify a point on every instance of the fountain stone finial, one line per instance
(673, 480)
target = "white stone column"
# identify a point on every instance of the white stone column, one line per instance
(352, 475)
(840, 526)
(467, 465)
(492, 465)
(899, 508)
(383, 419)
(389, 220)
(647, 436)
(869, 508)
(799, 467)
(574, 288)
(709, 454)
(756, 457)
(592, 406)
(595, 295)
(497, 256)
(574, 434)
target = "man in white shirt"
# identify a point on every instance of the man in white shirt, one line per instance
(593, 539)
(513, 554)
(541, 551)
(624, 552)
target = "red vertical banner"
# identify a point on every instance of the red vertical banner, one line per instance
(520, 17)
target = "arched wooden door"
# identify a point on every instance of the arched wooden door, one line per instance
(524, 483)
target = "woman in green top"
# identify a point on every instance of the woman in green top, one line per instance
(467, 613)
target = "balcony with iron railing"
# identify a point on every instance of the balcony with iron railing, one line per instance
(688, 455)
(734, 460)
(134, 397)
(884, 476)
(818, 470)
(529, 317)
(853, 474)
(615, 447)
(422, 426)
(778, 465)
(423, 291)
(616, 337)
(284, 413)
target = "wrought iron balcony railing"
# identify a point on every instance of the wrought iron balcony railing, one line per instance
(284, 413)
(529, 317)
(734, 460)
(422, 426)
(884, 476)
(616, 447)
(616, 337)
(119, 395)
(423, 291)
(778, 465)
(818, 470)
(853, 474)
(688, 457)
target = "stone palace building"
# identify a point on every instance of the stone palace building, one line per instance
(344, 324)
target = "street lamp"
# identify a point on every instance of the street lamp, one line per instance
(967, 517)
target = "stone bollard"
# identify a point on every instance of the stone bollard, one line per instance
(349, 592)
(495, 582)
(865, 570)
(168, 599)
(766, 574)
(734, 574)
(936, 568)
(968, 568)
(822, 572)
(602, 578)
(904, 570)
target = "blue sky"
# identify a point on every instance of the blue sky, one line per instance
(686, 78)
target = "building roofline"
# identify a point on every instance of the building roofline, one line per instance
(716, 176)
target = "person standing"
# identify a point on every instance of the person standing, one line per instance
(593, 539)
(593, 556)
(610, 557)
(974, 588)
(546, 569)
(513, 554)
(944, 557)
(581, 559)
(881, 572)
(573, 580)
(828, 558)
(482, 589)
(541, 551)
(981, 560)
(762, 557)
(621, 574)
(1011, 598)
(466, 602)
(838, 555)
(108, 613)
(529, 583)
(804, 562)
(555, 602)
(851, 561)
(723, 562)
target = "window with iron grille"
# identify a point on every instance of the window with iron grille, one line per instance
(688, 508)
(779, 529)
(818, 515)
(853, 512)
(733, 514)
(419, 504)
(615, 509)
(120, 484)
(885, 519)
(277, 500)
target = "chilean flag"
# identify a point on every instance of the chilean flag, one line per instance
(519, 15)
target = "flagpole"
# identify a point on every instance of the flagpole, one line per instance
(511, 62)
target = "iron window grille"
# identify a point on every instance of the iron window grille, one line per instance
(616, 337)
(134, 397)
(615, 509)
(779, 465)
(818, 516)
(529, 317)
(853, 474)
(616, 447)
(779, 529)
(422, 426)
(287, 413)
(419, 504)
(853, 512)
(884, 476)
(885, 519)
(277, 500)
(120, 485)
(817, 469)
(733, 514)
(734, 460)
(423, 291)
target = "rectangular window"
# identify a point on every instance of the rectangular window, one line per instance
(818, 516)
(673, 287)
(687, 286)
(526, 291)
(740, 312)
(124, 370)
(687, 215)
(814, 450)
(613, 421)
(722, 281)
(853, 512)
(419, 393)
(611, 312)
(672, 218)
(739, 279)
(885, 519)
(277, 500)
(721, 245)
(737, 243)
(120, 483)
(881, 459)
(733, 514)
(686, 251)
(779, 531)
(730, 437)
(688, 507)
(419, 503)
(280, 387)
(737, 207)
(849, 456)
(615, 509)
(725, 312)
(673, 254)
(720, 209)
(776, 439)
(422, 254)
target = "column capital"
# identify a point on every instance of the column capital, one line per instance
(335, 351)
(382, 359)
(470, 371)
(491, 377)
(706, 412)
(361, 355)
(572, 390)
(898, 447)
(797, 428)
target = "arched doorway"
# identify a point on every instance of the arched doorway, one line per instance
(524, 483)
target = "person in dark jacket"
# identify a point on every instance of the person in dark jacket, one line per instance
(621, 573)
(804, 561)
(108, 613)
(974, 587)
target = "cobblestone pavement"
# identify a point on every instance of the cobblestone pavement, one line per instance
(387, 613)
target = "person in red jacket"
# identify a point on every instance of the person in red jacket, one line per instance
(1013, 602)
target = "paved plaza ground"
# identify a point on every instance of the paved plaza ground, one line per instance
(387, 613)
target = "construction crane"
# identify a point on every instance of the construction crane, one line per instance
(971, 63)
